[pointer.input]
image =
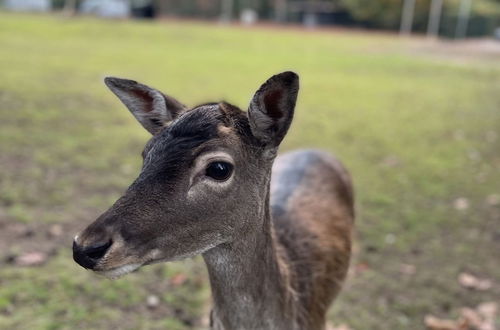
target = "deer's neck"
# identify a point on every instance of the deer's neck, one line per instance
(249, 285)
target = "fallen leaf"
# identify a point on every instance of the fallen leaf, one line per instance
(31, 259)
(488, 311)
(330, 326)
(461, 204)
(178, 279)
(434, 323)
(493, 200)
(472, 282)
(408, 269)
(55, 230)
(361, 267)
(482, 317)
(473, 318)
(152, 301)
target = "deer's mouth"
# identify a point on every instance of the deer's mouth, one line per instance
(118, 272)
(126, 263)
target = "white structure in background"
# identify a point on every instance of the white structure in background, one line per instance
(106, 8)
(248, 16)
(463, 19)
(434, 18)
(407, 17)
(310, 20)
(28, 5)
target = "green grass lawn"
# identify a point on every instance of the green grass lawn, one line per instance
(418, 130)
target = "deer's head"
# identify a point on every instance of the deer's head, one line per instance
(205, 172)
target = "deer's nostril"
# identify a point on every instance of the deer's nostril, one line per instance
(97, 251)
(88, 257)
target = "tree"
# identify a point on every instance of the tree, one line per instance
(385, 13)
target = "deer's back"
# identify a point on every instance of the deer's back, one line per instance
(313, 214)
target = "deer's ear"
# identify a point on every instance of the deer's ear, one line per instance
(271, 109)
(149, 106)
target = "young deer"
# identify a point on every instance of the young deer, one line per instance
(276, 252)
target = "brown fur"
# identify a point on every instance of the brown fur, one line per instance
(317, 227)
(277, 251)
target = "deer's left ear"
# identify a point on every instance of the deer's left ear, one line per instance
(149, 106)
(271, 109)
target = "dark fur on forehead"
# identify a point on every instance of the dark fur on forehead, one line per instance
(171, 149)
(200, 122)
(199, 125)
(238, 119)
(229, 116)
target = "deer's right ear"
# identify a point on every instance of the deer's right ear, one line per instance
(149, 106)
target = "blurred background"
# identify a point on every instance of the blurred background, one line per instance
(405, 92)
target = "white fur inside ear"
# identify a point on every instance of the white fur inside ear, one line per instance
(148, 105)
(151, 114)
(260, 122)
(160, 110)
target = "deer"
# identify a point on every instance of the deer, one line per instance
(274, 231)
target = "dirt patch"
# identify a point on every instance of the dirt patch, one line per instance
(467, 50)
(20, 239)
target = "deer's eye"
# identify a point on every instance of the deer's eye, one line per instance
(219, 171)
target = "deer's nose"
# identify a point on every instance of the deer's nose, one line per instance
(88, 256)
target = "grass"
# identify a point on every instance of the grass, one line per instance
(417, 130)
